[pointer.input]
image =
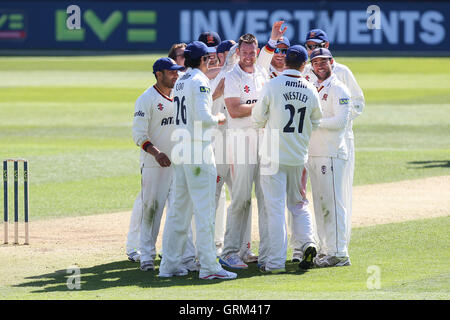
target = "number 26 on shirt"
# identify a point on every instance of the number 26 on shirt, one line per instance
(181, 110)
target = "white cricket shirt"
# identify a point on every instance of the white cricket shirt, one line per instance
(153, 122)
(329, 139)
(245, 86)
(290, 105)
(345, 75)
(193, 102)
(219, 103)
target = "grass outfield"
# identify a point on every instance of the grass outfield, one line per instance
(412, 259)
(71, 117)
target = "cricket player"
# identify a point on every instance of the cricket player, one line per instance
(243, 85)
(176, 52)
(212, 40)
(195, 174)
(223, 168)
(289, 105)
(278, 65)
(317, 38)
(255, 74)
(152, 126)
(328, 156)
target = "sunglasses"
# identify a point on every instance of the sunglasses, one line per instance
(280, 50)
(315, 46)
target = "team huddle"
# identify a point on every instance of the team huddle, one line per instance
(277, 120)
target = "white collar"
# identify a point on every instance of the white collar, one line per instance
(326, 82)
(197, 70)
(292, 73)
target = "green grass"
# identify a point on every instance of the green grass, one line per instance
(413, 259)
(71, 118)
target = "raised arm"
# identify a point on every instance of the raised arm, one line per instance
(266, 54)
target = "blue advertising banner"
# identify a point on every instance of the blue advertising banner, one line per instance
(351, 26)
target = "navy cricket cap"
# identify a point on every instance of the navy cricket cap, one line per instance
(297, 52)
(225, 46)
(195, 50)
(320, 53)
(284, 40)
(211, 39)
(317, 35)
(165, 64)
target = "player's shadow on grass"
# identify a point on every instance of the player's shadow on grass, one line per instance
(429, 164)
(125, 274)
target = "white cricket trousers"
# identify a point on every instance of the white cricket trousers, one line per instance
(194, 189)
(350, 170)
(148, 209)
(239, 216)
(145, 219)
(134, 228)
(303, 206)
(223, 176)
(155, 190)
(328, 183)
(280, 189)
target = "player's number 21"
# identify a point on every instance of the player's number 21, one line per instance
(288, 127)
(182, 112)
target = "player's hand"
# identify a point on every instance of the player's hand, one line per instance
(221, 117)
(277, 32)
(219, 89)
(163, 159)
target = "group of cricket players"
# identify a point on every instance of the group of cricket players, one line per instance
(261, 121)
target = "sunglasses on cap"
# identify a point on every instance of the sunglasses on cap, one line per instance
(315, 46)
(280, 50)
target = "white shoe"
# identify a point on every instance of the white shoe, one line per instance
(222, 274)
(179, 273)
(192, 265)
(249, 257)
(147, 265)
(297, 255)
(332, 261)
(233, 261)
(134, 256)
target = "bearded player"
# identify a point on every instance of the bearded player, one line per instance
(317, 38)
